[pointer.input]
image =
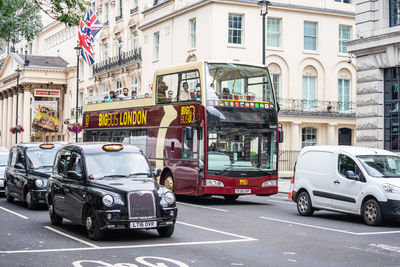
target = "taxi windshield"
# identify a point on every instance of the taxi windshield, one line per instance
(117, 164)
(383, 166)
(41, 158)
(3, 159)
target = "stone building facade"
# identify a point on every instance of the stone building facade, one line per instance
(378, 59)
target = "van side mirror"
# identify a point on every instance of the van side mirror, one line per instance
(156, 172)
(352, 176)
(74, 175)
(280, 132)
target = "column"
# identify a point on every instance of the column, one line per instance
(1, 119)
(14, 115)
(3, 122)
(296, 136)
(9, 118)
(26, 118)
(331, 134)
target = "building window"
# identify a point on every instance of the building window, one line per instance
(344, 1)
(310, 36)
(276, 81)
(343, 95)
(344, 36)
(156, 43)
(344, 137)
(134, 84)
(394, 12)
(105, 89)
(192, 24)
(134, 41)
(81, 70)
(235, 27)
(106, 13)
(274, 32)
(105, 51)
(309, 93)
(119, 87)
(308, 136)
(119, 47)
(391, 109)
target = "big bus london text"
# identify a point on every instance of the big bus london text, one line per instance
(211, 127)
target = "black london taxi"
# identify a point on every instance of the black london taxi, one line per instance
(109, 186)
(29, 165)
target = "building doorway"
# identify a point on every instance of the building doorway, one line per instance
(344, 137)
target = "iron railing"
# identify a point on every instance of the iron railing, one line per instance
(126, 58)
(80, 111)
(133, 10)
(287, 159)
(118, 17)
(301, 106)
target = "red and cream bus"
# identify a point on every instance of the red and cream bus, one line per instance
(211, 127)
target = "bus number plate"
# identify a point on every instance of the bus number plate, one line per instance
(243, 191)
(148, 224)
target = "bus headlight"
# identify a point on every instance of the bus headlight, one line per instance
(39, 183)
(169, 198)
(269, 183)
(108, 200)
(210, 182)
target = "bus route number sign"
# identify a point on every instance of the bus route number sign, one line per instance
(188, 114)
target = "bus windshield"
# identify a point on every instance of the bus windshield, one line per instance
(241, 150)
(238, 82)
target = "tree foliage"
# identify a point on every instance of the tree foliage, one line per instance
(66, 11)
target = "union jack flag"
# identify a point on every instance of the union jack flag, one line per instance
(86, 42)
(92, 22)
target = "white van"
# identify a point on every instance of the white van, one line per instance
(357, 180)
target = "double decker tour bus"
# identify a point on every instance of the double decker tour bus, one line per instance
(211, 127)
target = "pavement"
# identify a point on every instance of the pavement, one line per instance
(283, 185)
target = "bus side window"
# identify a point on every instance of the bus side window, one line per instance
(189, 143)
(167, 88)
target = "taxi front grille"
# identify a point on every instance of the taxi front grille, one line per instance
(141, 205)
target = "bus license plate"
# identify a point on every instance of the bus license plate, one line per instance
(243, 191)
(148, 224)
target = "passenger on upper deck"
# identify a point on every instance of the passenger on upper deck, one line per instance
(185, 95)
(161, 90)
(134, 94)
(226, 94)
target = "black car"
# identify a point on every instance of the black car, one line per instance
(28, 167)
(109, 186)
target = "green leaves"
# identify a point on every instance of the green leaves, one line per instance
(66, 11)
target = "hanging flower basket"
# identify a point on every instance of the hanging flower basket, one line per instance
(75, 127)
(16, 129)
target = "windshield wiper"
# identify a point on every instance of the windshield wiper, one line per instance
(227, 168)
(114, 175)
(139, 173)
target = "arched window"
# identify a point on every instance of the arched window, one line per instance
(275, 72)
(344, 90)
(308, 136)
(309, 88)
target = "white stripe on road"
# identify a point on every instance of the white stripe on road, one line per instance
(126, 247)
(70, 236)
(330, 229)
(217, 231)
(199, 206)
(17, 214)
(283, 202)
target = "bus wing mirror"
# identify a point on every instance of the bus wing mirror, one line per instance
(189, 133)
(280, 136)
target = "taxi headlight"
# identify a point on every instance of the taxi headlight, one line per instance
(39, 183)
(210, 182)
(269, 183)
(108, 200)
(391, 189)
(169, 198)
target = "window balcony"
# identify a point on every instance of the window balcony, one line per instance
(105, 24)
(118, 17)
(113, 63)
(134, 10)
(317, 108)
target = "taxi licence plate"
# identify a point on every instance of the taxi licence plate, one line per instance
(148, 224)
(243, 191)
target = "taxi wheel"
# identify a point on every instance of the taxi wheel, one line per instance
(372, 214)
(166, 231)
(9, 198)
(54, 218)
(304, 206)
(92, 226)
(168, 182)
(30, 203)
(231, 197)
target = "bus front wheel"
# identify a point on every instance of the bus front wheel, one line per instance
(168, 181)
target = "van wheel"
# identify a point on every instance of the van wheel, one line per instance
(304, 206)
(168, 182)
(372, 214)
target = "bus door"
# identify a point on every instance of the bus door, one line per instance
(186, 171)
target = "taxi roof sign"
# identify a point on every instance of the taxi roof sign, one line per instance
(46, 146)
(113, 147)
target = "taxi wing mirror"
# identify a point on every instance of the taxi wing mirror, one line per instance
(352, 176)
(74, 175)
(156, 172)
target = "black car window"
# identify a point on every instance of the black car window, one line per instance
(20, 157)
(63, 160)
(345, 163)
(76, 163)
(13, 157)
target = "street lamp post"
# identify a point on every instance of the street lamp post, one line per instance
(18, 70)
(263, 12)
(78, 52)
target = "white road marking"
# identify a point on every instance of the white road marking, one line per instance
(217, 231)
(17, 214)
(386, 247)
(70, 236)
(283, 202)
(126, 247)
(330, 229)
(199, 206)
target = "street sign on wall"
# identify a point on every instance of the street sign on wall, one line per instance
(46, 92)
